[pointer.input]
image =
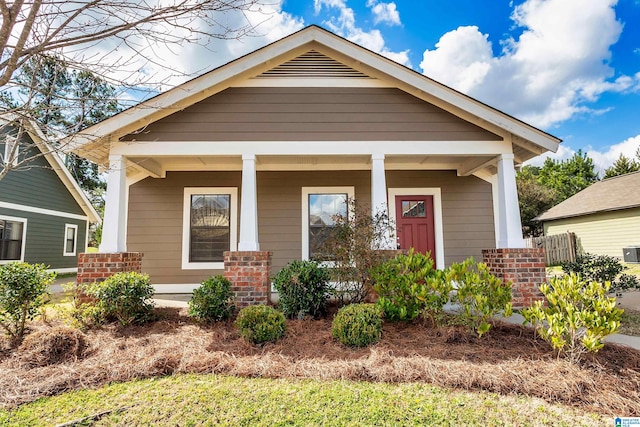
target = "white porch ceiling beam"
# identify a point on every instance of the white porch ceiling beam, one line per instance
(305, 148)
(150, 166)
(472, 166)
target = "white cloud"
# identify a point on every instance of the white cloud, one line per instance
(549, 74)
(344, 23)
(602, 160)
(165, 65)
(387, 13)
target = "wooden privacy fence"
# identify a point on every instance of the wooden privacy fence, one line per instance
(558, 248)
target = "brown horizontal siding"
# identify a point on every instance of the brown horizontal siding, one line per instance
(312, 114)
(155, 214)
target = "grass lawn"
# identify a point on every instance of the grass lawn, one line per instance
(630, 324)
(189, 400)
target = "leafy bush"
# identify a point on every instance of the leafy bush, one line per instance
(356, 244)
(303, 288)
(213, 300)
(408, 285)
(480, 294)
(578, 316)
(259, 324)
(123, 297)
(24, 288)
(601, 268)
(357, 325)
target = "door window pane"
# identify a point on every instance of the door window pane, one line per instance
(10, 240)
(210, 227)
(322, 211)
(413, 209)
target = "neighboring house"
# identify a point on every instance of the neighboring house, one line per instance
(604, 216)
(260, 153)
(44, 215)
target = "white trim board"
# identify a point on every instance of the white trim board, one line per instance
(176, 288)
(24, 237)
(437, 214)
(186, 225)
(42, 211)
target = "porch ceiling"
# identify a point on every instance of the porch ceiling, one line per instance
(158, 166)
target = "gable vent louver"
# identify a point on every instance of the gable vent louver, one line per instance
(313, 64)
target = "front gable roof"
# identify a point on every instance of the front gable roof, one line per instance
(611, 194)
(313, 57)
(55, 162)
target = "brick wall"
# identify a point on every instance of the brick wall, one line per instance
(96, 267)
(248, 273)
(524, 267)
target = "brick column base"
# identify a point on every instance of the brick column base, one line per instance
(525, 267)
(97, 267)
(248, 272)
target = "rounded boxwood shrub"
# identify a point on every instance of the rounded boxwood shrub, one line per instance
(357, 325)
(259, 324)
(303, 288)
(124, 297)
(213, 300)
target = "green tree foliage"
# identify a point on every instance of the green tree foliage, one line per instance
(533, 198)
(623, 165)
(567, 177)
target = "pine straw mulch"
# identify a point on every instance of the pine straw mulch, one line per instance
(507, 360)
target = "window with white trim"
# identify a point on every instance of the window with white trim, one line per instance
(320, 205)
(12, 239)
(10, 150)
(70, 239)
(209, 226)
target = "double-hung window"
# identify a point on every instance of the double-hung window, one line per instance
(320, 206)
(209, 226)
(70, 239)
(12, 236)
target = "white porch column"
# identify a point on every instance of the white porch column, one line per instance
(115, 209)
(379, 192)
(249, 206)
(508, 210)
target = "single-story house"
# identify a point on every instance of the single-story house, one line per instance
(259, 153)
(604, 216)
(44, 214)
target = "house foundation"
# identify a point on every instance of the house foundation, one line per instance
(524, 267)
(248, 272)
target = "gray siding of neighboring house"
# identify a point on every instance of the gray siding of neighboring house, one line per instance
(155, 214)
(312, 114)
(39, 186)
(45, 238)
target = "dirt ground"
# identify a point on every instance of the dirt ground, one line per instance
(507, 360)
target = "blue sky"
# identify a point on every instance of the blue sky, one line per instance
(569, 67)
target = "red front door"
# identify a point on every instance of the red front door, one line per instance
(414, 224)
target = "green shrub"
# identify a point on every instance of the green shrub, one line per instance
(601, 268)
(259, 324)
(213, 300)
(578, 316)
(357, 325)
(24, 288)
(123, 297)
(303, 289)
(408, 285)
(480, 294)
